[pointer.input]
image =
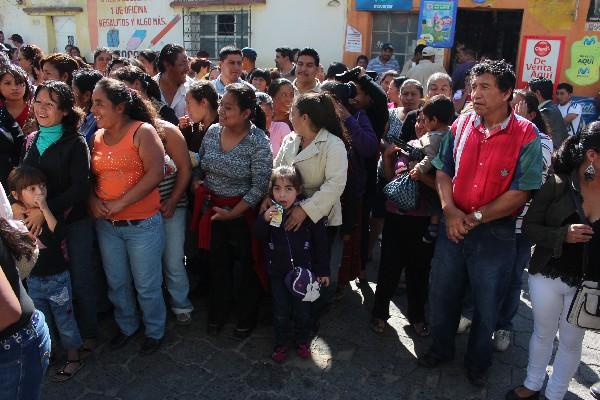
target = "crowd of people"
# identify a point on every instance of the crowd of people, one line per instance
(166, 165)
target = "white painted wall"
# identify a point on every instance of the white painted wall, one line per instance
(298, 23)
(14, 20)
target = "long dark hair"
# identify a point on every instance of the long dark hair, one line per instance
(532, 107)
(204, 90)
(320, 108)
(63, 63)
(572, 151)
(136, 107)
(276, 85)
(20, 244)
(62, 94)
(246, 100)
(20, 77)
(131, 74)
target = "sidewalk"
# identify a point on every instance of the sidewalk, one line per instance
(349, 362)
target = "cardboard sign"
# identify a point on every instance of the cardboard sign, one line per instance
(585, 61)
(541, 56)
(437, 22)
(383, 5)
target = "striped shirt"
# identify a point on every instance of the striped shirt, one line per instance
(166, 186)
(485, 164)
(547, 161)
(243, 171)
(379, 67)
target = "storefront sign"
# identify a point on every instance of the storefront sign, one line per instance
(133, 26)
(589, 112)
(585, 61)
(437, 20)
(541, 56)
(593, 16)
(383, 5)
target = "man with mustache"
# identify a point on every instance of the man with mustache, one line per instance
(307, 68)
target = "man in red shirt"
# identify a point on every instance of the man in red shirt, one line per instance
(487, 168)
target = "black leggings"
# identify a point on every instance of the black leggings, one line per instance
(231, 242)
(402, 247)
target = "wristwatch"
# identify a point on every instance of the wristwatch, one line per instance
(478, 216)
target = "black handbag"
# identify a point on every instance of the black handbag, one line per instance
(584, 311)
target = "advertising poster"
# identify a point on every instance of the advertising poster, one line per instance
(133, 26)
(588, 107)
(437, 20)
(585, 62)
(383, 5)
(593, 17)
(541, 56)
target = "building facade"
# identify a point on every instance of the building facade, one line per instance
(130, 26)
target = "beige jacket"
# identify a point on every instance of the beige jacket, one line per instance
(323, 165)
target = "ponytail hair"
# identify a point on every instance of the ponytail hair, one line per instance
(321, 110)
(132, 73)
(246, 100)
(571, 153)
(136, 107)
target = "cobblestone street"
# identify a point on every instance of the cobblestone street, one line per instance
(349, 362)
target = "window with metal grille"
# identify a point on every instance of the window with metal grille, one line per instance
(213, 30)
(399, 29)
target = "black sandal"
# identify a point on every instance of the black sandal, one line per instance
(63, 376)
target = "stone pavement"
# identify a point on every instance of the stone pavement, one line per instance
(349, 362)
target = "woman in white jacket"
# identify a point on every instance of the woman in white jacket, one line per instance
(318, 149)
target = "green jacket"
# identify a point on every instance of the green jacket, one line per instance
(544, 222)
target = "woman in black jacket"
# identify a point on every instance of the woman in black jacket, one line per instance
(62, 154)
(564, 223)
(11, 143)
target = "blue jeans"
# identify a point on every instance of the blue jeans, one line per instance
(485, 259)
(80, 238)
(24, 358)
(52, 296)
(131, 256)
(173, 259)
(510, 304)
(285, 305)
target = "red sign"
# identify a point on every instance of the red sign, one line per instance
(541, 57)
(542, 48)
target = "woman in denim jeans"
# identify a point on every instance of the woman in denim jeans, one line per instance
(24, 336)
(172, 195)
(128, 164)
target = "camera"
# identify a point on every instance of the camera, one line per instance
(353, 75)
(413, 153)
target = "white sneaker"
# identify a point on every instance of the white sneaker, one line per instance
(501, 340)
(184, 318)
(464, 325)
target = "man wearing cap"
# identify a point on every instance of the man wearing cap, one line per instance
(385, 61)
(249, 56)
(426, 66)
(408, 65)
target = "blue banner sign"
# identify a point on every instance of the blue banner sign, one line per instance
(383, 5)
(437, 21)
(588, 105)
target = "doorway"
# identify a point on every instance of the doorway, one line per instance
(491, 33)
(64, 29)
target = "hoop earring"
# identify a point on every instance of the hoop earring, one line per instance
(590, 173)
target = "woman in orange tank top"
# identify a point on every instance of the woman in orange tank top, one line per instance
(128, 163)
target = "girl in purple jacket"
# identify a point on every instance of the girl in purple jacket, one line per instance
(307, 246)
